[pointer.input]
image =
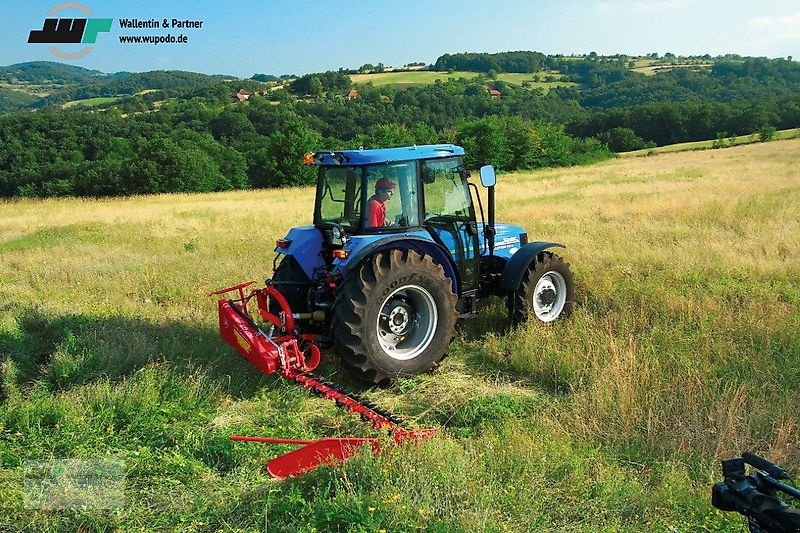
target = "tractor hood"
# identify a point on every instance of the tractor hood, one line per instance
(507, 241)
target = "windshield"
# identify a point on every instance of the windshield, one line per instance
(338, 193)
(370, 197)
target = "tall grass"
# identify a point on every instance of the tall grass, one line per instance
(684, 348)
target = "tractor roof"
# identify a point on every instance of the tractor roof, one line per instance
(387, 155)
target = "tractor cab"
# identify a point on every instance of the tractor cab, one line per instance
(390, 190)
(369, 194)
(368, 198)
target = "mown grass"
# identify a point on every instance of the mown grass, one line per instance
(683, 349)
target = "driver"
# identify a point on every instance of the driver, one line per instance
(376, 205)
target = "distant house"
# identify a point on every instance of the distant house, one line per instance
(240, 96)
(494, 93)
(352, 94)
(385, 98)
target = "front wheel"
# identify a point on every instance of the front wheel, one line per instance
(395, 316)
(547, 291)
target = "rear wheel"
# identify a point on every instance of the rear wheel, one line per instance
(547, 291)
(395, 316)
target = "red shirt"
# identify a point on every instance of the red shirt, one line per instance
(376, 213)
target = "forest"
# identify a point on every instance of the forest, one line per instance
(170, 131)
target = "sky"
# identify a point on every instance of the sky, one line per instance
(242, 38)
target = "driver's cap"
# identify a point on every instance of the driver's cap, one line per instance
(385, 183)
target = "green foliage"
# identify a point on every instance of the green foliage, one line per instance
(50, 72)
(182, 132)
(390, 135)
(721, 140)
(101, 155)
(314, 84)
(511, 143)
(766, 133)
(501, 62)
(11, 100)
(485, 143)
(264, 77)
(623, 140)
(285, 151)
(674, 122)
(165, 80)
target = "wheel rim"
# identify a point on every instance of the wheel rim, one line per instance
(549, 296)
(407, 322)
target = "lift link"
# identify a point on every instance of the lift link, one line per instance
(294, 356)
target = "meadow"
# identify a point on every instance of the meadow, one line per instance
(684, 348)
(410, 78)
(426, 77)
(92, 102)
(705, 145)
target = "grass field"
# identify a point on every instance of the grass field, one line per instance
(407, 79)
(705, 145)
(36, 90)
(92, 102)
(684, 348)
(535, 80)
(426, 77)
(649, 67)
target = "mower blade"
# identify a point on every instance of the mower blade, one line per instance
(319, 452)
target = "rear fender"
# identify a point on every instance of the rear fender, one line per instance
(305, 245)
(406, 242)
(518, 264)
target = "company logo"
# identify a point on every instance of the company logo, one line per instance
(70, 30)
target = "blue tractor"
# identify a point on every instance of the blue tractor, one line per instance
(397, 254)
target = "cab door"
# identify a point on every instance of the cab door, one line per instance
(450, 217)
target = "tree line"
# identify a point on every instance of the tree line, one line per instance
(206, 144)
(191, 136)
(521, 61)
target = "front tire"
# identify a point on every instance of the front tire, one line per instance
(547, 291)
(395, 316)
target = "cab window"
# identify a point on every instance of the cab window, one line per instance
(393, 199)
(446, 194)
(339, 193)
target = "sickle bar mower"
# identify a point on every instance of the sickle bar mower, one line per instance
(294, 355)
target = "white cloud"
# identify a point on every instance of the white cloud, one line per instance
(784, 26)
(650, 6)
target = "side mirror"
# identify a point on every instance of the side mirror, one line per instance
(488, 178)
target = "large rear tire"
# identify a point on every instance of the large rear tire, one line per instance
(395, 316)
(547, 291)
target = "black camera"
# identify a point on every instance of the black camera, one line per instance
(756, 496)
